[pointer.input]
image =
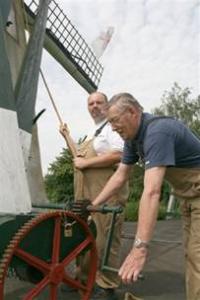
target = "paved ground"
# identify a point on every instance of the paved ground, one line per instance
(164, 272)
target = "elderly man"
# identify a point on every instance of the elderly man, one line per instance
(97, 157)
(168, 150)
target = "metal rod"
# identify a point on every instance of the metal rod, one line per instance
(90, 208)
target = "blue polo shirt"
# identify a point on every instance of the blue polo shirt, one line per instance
(163, 142)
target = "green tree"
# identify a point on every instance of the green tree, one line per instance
(59, 179)
(180, 104)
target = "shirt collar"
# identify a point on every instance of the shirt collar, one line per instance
(98, 125)
(144, 119)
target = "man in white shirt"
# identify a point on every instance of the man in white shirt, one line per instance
(97, 157)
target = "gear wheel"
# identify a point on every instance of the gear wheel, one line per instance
(54, 271)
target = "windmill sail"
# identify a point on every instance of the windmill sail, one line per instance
(26, 88)
(14, 195)
(67, 46)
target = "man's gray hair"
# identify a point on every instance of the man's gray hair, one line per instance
(124, 101)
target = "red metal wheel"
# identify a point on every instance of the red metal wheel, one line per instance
(53, 271)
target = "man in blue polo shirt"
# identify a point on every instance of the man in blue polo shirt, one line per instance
(168, 150)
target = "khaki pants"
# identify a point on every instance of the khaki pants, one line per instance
(186, 184)
(88, 184)
(191, 228)
(108, 279)
(105, 279)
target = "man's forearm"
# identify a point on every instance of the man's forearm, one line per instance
(72, 146)
(149, 202)
(111, 188)
(69, 141)
(148, 211)
(104, 160)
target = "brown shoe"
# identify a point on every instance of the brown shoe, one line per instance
(100, 293)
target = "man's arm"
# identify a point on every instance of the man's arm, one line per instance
(64, 130)
(114, 184)
(148, 210)
(104, 160)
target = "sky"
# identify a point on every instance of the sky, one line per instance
(155, 43)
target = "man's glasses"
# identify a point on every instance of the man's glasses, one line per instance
(116, 119)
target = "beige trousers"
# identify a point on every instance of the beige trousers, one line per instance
(191, 229)
(186, 183)
(88, 185)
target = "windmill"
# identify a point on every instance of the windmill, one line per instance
(50, 28)
(23, 249)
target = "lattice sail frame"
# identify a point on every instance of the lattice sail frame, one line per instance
(60, 28)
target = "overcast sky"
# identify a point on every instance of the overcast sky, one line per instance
(155, 43)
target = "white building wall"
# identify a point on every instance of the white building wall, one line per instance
(28, 167)
(14, 191)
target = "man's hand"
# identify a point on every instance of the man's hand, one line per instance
(80, 163)
(64, 130)
(79, 207)
(133, 265)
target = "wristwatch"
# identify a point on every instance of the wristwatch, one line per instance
(138, 243)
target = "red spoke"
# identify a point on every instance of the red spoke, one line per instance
(53, 292)
(77, 251)
(37, 289)
(74, 283)
(32, 260)
(1, 290)
(56, 241)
